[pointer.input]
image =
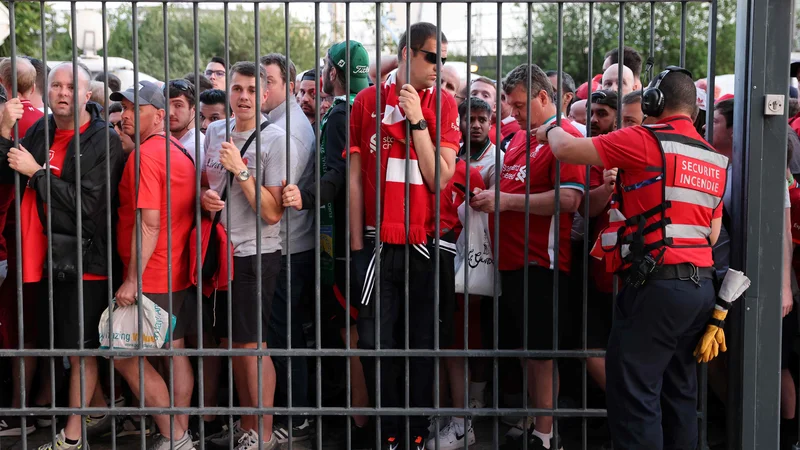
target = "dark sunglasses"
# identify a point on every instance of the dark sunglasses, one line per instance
(3, 98)
(431, 57)
(114, 125)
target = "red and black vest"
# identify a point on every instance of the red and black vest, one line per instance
(666, 211)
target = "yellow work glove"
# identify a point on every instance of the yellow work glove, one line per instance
(713, 340)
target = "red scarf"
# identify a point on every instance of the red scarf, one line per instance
(393, 162)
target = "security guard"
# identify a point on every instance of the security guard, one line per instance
(659, 242)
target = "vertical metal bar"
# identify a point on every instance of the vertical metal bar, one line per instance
(652, 31)
(109, 221)
(286, 217)
(526, 258)
(586, 237)
(757, 206)
(229, 245)
(138, 227)
(621, 56)
(557, 231)
(259, 286)
(438, 205)
(406, 222)
(317, 217)
(78, 216)
(468, 160)
(48, 208)
(348, 375)
(378, 194)
(496, 239)
(169, 216)
(16, 139)
(199, 164)
(683, 34)
(711, 79)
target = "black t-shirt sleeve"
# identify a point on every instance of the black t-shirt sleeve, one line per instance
(333, 180)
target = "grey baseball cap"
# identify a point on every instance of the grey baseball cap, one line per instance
(149, 94)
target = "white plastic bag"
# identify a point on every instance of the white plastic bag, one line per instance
(124, 334)
(478, 258)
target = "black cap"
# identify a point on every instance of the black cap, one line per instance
(605, 97)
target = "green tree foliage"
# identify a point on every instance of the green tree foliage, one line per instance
(667, 41)
(241, 27)
(29, 33)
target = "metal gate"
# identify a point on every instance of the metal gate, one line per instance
(762, 51)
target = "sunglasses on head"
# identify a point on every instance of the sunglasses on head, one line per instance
(182, 85)
(431, 57)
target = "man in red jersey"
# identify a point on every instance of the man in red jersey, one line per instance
(539, 252)
(409, 102)
(670, 216)
(150, 196)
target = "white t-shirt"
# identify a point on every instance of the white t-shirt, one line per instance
(485, 160)
(188, 142)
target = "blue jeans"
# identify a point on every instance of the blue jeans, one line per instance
(302, 285)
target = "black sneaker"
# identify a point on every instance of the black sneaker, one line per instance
(418, 443)
(301, 432)
(391, 443)
(12, 426)
(362, 438)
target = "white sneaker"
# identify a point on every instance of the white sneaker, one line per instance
(223, 438)
(452, 436)
(443, 421)
(249, 441)
(61, 443)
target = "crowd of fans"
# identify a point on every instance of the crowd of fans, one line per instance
(264, 200)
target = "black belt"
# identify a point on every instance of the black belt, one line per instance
(683, 271)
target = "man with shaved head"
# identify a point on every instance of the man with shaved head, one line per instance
(611, 80)
(37, 153)
(451, 82)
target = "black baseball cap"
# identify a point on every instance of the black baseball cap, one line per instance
(149, 94)
(605, 97)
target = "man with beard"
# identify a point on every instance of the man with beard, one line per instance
(181, 116)
(333, 205)
(307, 94)
(604, 112)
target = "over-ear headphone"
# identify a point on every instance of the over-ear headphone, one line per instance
(652, 97)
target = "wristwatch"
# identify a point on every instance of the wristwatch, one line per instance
(243, 175)
(550, 128)
(421, 125)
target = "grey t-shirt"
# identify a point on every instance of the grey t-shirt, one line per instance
(302, 149)
(242, 229)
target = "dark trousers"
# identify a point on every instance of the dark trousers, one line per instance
(302, 285)
(651, 373)
(421, 336)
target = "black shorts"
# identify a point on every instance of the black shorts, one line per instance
(66, 331)
(788, 338)
(182, 308)
(540, 308)
(244, 304)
